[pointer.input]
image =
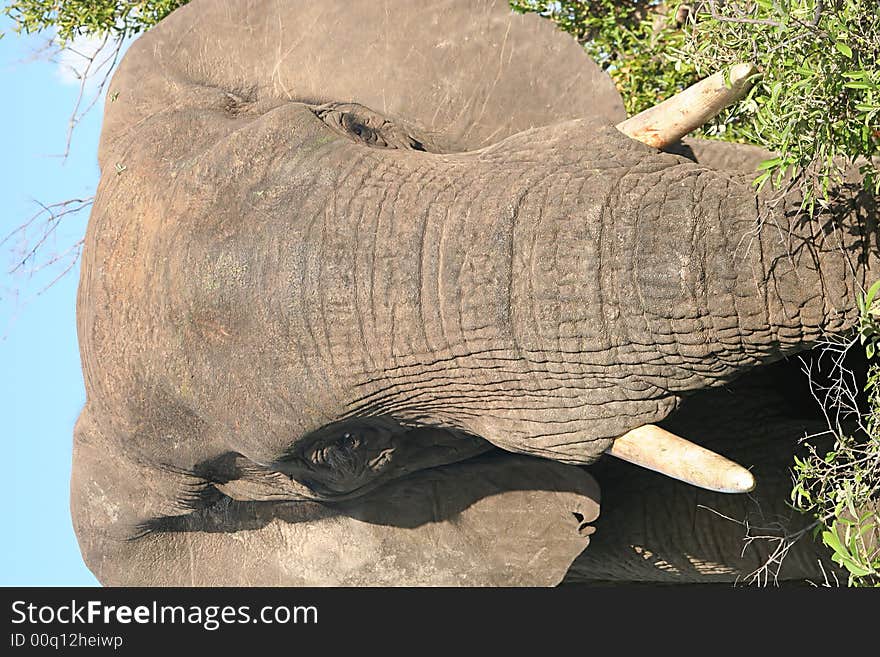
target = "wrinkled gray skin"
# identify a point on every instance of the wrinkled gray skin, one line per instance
(342, 244)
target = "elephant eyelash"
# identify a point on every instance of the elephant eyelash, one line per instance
(194, 497)
(197, 490)
(197, 495)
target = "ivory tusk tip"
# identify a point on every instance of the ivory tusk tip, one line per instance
(656, 449)
(740, 77)
(742, 71)
(742, 481)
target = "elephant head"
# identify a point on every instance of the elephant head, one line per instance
(351, 268)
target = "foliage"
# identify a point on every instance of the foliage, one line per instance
(72, 18)
(841, 488)
(817, 100)
(816, 103)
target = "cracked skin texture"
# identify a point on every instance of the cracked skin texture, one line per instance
(356, 248)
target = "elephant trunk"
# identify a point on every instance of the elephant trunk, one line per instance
(728, 279)
(719, 281)
(589, 296)
(816, 265)
(551, 300)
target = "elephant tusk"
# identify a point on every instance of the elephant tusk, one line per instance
(656, 449)
(675, 117)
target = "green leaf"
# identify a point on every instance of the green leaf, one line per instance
(855, 569)
(760, 180)
(830, 538)
(843, 49)
(872, 292)
(772, 163)
(775, 91)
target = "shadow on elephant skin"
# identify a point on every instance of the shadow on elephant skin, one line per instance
(429, 496)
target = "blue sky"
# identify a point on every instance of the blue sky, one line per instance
(42, 390)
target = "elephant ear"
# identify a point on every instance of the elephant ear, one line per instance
(467, 73)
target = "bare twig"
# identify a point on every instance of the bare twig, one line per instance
(38, 229)
(76, 249)
(826, 583)
(52, 215)
(90, 69)
(722, 18)
(817, 14)
(777, 535)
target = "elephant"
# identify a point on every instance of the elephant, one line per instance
(369, 290)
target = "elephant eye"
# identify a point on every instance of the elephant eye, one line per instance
(355, 127)
(368, 127)
(343, 455)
